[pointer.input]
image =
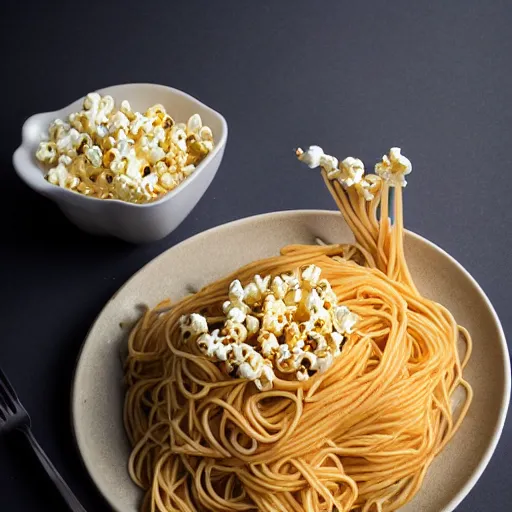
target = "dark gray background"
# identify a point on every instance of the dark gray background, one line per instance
(355, 77)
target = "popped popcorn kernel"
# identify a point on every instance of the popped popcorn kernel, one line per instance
(393, 168)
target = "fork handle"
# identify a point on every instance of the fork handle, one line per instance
(63, 488)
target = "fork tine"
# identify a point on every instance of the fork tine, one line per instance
(4, 411)
(7, 391)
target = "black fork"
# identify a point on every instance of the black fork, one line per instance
(13, 416)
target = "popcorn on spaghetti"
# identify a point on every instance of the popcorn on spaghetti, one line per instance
(311, 157)
(288, 324)
(193, 325)
(350, 172)
(393, 168)
(118, 153)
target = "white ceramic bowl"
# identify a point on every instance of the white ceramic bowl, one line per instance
(132, 222)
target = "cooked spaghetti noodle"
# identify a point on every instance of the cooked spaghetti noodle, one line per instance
(358, 437)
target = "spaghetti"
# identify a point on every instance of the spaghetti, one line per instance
(358, 437)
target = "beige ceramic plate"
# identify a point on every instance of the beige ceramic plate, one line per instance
(98, 392)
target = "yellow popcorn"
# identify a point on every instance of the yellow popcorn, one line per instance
(114, 152)
(47, 152)
(260, 333)
(393, 168)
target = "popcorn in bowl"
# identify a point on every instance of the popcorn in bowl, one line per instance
(113, 152)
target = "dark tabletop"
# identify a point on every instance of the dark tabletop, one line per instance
(434, 79)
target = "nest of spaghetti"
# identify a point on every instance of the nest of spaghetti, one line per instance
(357, 434)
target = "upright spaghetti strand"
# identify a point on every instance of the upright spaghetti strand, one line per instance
(358, 436)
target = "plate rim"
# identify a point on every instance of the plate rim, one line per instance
(498, 430)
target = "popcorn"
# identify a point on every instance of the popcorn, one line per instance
(236, 292)
(101, 130)
(221, 351)
(306, 360)
(262, 283)
(67, 141)
(293, 296)
(393, 168)
(268, 343)
(246, 371)
(211, 345)
(320, 343)
(235, 331)
(123, 140)
(334, 341)
(133, 165)
(364, 188)
(205, 134)
(325, 292)
(179, 137)
(311, 157)
(168, 181)
(194, 124)
(258, 371)
(292, 334)
(298, 347)
(324, 363)
(76, 120)
(161, 168)
(265, 332)
(264, 380)
(47, 152)
(94, 156)
(149, 182)
(274, 323)
(156, 155)
(188, 169)
(57, 128)
(252, 294)
(311, 274)
(236, 314)
(241, 352)
(58, 175)
(94, 112)
(343, 319)
(302, 375)
(313, 302)
(274, 306)
(193, 325)
(330, 164)
(314, 156)
(65, 160)
(140, 122)
(126, 109)
(117, 122)
(147, 153)
(252, 324)
(351, 172)
(156, 111)
(283, 353)
(279, 287)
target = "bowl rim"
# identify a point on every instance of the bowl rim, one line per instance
(493, 441)
(49, 189)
